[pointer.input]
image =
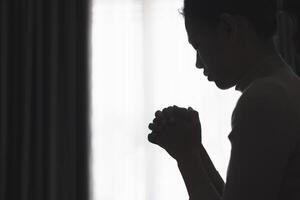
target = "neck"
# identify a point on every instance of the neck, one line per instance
(261, 51)
(261, 65)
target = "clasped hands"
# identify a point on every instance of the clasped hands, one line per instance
(177, 130)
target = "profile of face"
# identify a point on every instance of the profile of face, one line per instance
(217, 50)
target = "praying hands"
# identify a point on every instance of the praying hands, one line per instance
(177, 130)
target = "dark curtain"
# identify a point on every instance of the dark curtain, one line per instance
(44, 138)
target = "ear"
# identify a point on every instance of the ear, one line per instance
(228, 26)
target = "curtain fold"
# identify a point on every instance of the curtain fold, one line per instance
(44, 134)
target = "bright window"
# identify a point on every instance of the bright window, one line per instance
(142, 62)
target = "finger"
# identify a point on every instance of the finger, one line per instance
(151, 126)
(153, 137)
(193, 113)
(159, 117)
(156, 120)
(167, 112)
(158, 114)
(159, 121)
(154, 127)
(167, 109)
(195, 118)
(182, 112)
(190, 108)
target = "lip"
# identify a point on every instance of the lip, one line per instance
(209, 78)
(205, 72)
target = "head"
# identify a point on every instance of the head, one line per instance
(229, 36)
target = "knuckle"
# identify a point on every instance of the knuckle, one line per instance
(150, 126)
(158, 112)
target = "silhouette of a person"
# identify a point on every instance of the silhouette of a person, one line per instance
(233, 40)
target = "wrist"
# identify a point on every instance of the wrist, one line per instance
(194, 174)
(189, 156)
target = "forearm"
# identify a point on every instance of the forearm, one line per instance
(212, 172)
(197, 181)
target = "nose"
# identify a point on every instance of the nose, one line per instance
(199, 62)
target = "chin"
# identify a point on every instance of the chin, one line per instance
(224, 85)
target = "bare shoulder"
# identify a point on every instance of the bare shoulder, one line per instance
(269, 100)
(261, 101)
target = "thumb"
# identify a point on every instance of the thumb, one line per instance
(193, 114)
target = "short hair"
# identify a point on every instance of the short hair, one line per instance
(260, 13)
